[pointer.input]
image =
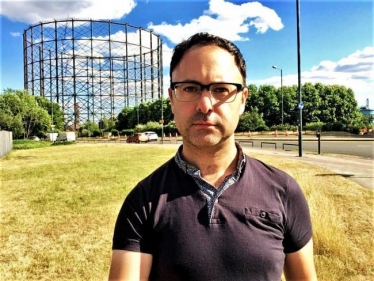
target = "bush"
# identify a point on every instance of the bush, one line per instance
(338, 126)
(171, 128)
(115, 133)
(327, 127)
(314, 126)
(140, 128)
(63, 143)
(97, 133)
(85, 133)
(262, 128)
(127, 132)
(153, 126)
(250, 121)
(355, 130)
(30, 144)
(276, 127)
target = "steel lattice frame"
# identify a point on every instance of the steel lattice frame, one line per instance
(93, 69)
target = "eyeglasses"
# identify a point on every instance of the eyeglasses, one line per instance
(191, 91)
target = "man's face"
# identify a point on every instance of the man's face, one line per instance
(206, 122)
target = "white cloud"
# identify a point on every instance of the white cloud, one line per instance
(34, 11)
(224, 19)
(166, 55)
(356, 71)
(15, 34)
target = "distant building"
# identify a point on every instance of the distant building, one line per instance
(366, 110)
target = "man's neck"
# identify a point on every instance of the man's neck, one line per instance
(215, 163)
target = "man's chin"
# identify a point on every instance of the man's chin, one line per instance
(204, 141)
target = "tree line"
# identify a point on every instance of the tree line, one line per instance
(326, 107)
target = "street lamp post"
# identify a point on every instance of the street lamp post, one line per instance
(281, 87)
(301, 104)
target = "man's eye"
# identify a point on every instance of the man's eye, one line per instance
(220, 90)
(191, 89)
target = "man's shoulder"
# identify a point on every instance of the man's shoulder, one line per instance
(258, 165)
(260, 172)
(169, 166)
(161, 180)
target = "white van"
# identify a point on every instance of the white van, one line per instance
(52, 136)
(66, 136)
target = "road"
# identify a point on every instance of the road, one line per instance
(349, 157)
(363, 148)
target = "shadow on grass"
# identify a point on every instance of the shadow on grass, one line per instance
(341, 175)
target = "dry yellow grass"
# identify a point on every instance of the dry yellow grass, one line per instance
(343, 221)
(59, 205)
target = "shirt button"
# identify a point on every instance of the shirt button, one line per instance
(263, 214)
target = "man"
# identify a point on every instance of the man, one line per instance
(211, 212)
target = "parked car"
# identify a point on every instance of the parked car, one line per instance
(152, 136)
(137, 137)
(35, 138)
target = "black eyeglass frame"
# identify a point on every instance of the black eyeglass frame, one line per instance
(239, 87)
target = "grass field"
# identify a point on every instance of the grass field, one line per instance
(59, 205)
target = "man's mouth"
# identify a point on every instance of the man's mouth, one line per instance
(203, 124)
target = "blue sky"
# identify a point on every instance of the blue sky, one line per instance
(336, 36)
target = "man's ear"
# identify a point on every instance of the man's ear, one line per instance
(244, 97)
(171, 97)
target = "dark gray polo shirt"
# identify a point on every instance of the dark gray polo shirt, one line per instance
(252, 225)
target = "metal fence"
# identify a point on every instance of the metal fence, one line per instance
(6, 142)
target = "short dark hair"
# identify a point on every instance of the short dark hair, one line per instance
(205, 39)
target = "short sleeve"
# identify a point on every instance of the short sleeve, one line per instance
(298, 226)
(132, 229)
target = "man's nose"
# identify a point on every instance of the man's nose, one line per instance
(205, 101)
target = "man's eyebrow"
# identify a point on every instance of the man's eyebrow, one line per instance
(190, 81)
(199, 83)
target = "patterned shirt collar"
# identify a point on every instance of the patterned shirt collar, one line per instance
(195, 172)
(211, 193)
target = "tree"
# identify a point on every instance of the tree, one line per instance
(251, 121)
(252, 90)
(290, 114)
(367, 120)
(89, 129)
(21, 113)
(334, 105)
(338, 106)
(10, 113)
(267, 102)
(123, 119)
(108, 124)
(55, 112)
(145, 112)
(155, 111)
(312, 103)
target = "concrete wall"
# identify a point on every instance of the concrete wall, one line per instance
(6, 142)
